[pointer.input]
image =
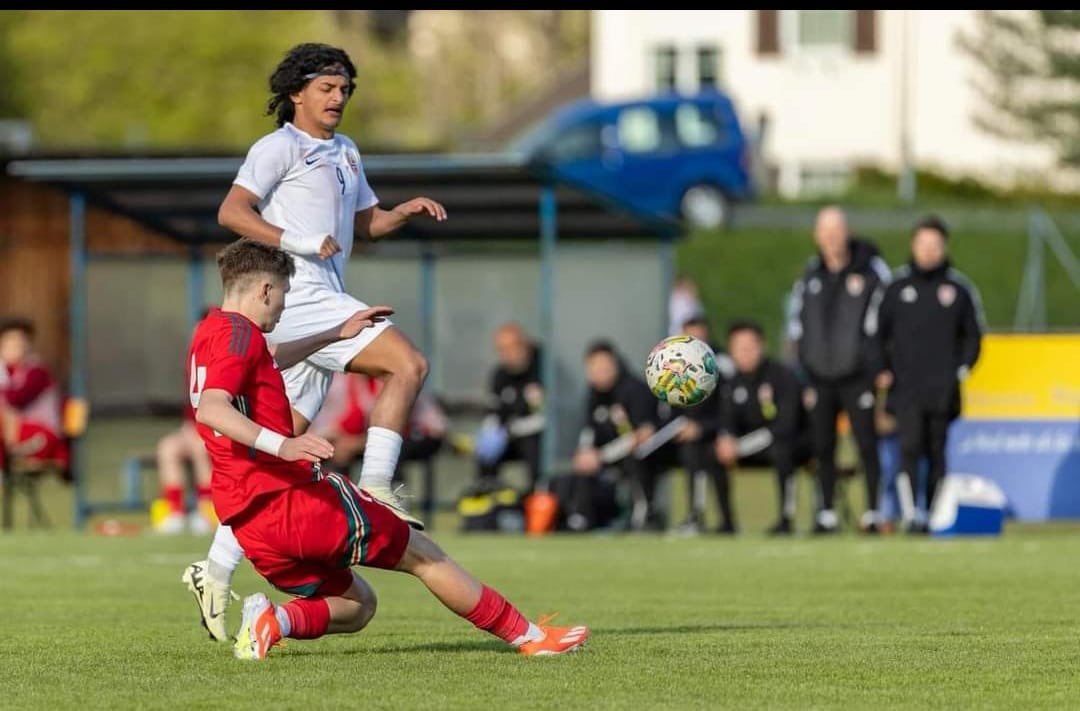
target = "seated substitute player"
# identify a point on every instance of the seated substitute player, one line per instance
(694, 443)
(762, 420)
(29, 401)
(515, 423)
(303, 529)
(174, 451)
(621, 414)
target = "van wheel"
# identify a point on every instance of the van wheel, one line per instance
(705, 206)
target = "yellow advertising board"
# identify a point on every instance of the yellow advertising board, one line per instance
(1025, 376)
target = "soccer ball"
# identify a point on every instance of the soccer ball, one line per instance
(681, 371)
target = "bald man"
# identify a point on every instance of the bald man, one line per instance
(833, 322)
(515, 421)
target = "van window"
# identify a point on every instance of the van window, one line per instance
(639, 130)
(696, 125)
(576, 143)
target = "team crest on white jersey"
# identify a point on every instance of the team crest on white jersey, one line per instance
(908, 294)
(353, 159)
(946, 295)
(855, 284)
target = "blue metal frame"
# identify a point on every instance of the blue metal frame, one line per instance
(549, 238)
(77, 312)
(427, 308)
(196, 286)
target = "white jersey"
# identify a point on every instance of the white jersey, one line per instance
(312, 187)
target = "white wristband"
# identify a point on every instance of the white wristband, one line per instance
(299, 244)
(269, 441)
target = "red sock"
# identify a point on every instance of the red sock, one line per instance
(495, 615)
(308, 618)
(175, 496)
(203, 492)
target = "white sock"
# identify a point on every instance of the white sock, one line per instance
(225, 555)
(380, 458)
(533, 634)
(828, 518)
(283, 620)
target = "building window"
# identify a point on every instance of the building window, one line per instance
(665, 65)
(820, 29)
(708, 67)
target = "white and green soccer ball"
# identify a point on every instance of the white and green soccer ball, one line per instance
(681, 371)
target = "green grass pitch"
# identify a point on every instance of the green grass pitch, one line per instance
(850, 622)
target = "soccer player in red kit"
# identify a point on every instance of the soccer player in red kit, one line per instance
(301, 528)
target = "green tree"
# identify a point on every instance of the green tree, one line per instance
(1030, 82)
(167, 79)
(11, 104)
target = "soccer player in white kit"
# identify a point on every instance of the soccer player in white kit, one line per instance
(303, 188)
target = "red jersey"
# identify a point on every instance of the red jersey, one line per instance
(229, 352)
(29, 389)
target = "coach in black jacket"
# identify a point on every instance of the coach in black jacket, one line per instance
(930, 325)
(762, 420)
(834, 323)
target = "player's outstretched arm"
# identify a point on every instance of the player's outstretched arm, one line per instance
(290, 353)
(216, 411)
(375, 223)
(239, 213)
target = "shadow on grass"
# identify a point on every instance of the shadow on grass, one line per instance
(491, 645)
(476, 645)
(718, 627)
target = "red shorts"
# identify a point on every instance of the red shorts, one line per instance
(304, 539)
(40, 444)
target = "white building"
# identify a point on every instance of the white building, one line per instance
(839, 88)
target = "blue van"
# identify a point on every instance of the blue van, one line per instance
(678, 156)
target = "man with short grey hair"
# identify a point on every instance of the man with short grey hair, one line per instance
(833, 323)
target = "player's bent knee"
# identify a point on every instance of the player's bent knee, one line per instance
(416, 366)
(169, 447)
(421, 554)
(366, 601)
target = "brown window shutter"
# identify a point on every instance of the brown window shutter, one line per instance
(865, 31)
(768, 31)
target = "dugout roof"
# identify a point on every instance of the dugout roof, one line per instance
(488, 196)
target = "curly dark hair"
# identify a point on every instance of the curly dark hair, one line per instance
(292, 75)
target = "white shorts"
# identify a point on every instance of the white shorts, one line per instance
(307, 313)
